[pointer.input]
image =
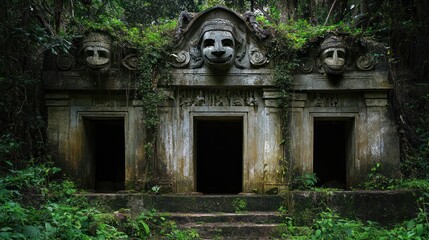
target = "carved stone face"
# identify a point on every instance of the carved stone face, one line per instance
(97, 57)
(96, 49)
(333, 60)
(218, 48)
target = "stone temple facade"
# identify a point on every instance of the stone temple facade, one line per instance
(220, 128)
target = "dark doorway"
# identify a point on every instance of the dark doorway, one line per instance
(331, 152)
(219, 158)
(107, 149)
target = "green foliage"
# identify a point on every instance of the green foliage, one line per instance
(416, 163)
(306, 181)
(155, 189)
(239, 205)
(154, 50)
(412, 184)
(33, 205)
(329, 225)
(300, 32)
(9, 148)
(376, 179)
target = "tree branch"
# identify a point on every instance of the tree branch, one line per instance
(43, 22)
(261, 8)
(330, 11)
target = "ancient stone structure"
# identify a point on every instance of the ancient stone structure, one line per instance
(220, 127)
(222, 130)
(94, 126)
(340, 119)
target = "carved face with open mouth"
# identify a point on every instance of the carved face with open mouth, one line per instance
(96, 48)
(334, 60)
(97, 57)
(218, 49)
(333, 55)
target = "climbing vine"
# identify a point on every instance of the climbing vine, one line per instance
(154, 49)
(289, 41)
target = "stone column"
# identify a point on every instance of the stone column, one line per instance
(58, 130)
(300, 161)
(165, 143)
(136, 140)
(274, 167)
(383, 141)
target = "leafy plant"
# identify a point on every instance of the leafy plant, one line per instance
(329, 225)
(155, 189)
(376, 179)
(306, 181)
(239, 205)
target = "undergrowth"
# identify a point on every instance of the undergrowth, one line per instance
(36, 204)
(329, 225)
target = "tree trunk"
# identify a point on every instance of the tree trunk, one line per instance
(287, 10)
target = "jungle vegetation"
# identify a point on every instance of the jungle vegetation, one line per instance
(30, 28)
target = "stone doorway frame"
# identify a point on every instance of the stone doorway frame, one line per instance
(220, 115)
(87, 173)
(351, 121)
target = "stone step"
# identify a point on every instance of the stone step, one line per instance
(303, 206)
(188, 203)
(216, 203)
(235, 230)
(242, 217)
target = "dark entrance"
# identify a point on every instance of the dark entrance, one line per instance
(332, 148)
(219, 160)
(106, 140)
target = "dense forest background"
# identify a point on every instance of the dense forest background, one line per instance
(30, 28)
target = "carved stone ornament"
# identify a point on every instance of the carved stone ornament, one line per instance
(365, 62)
(219, 40)
(325, 100)
(131, 62)
(65, 61)
(181, 59)
(217, 97)
(96, 48)
(306, 65)
(257, 58)
(333, 55)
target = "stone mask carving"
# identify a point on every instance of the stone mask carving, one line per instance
(96, 48)
(333, 55)
(218, 49)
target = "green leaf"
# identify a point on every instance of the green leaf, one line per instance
(31, 231)
(318, 233)
(146, 228)
(6, 229)
(411, 224)
(419, 229)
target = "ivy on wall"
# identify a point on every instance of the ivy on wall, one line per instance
(154, 50)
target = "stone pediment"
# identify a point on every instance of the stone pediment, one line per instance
(94, 61)
(219, 41)
(342, 62)
(336, 54)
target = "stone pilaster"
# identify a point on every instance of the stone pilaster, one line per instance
(58, 131)
(297, 143)
(383, 140)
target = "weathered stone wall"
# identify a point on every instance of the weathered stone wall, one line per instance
(67, 113)
(262, 149)
(221, 71)
(359, 95)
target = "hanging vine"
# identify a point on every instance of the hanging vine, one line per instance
(154, 49)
